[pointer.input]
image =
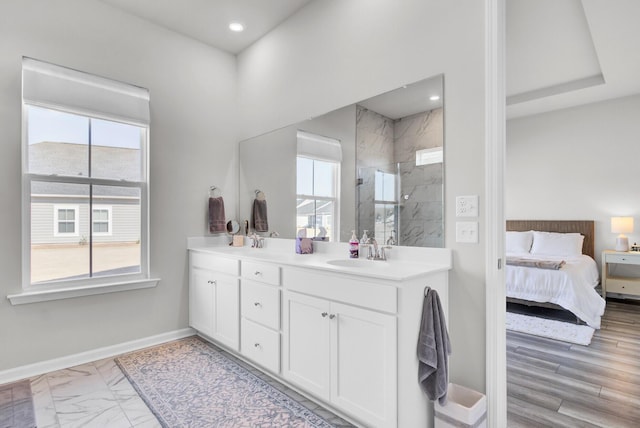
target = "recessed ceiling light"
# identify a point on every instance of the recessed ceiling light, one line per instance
(236, 26)
(434, 97)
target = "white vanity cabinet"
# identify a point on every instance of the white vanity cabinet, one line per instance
(342, 353)
(260, 310)
(214, 297)
(345, 336)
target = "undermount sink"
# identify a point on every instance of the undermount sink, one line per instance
(355, 263)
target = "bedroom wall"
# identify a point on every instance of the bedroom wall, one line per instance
(334, 53)
(193, 146)
(576, 164)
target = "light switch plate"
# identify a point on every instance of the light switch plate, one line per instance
(467, 206)
(467, 232)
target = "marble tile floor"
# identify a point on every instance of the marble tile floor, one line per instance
(91, 395)
(98, 395)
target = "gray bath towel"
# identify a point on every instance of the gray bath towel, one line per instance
(217, 222)
(260, 223)
(434, 349)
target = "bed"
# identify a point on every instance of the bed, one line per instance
(566, 275)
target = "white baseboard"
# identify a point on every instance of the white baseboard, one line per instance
(35, 369)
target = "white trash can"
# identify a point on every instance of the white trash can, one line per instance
(465, 408)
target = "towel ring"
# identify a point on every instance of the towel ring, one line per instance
(212, 191)
(426, 290)
(260, 195)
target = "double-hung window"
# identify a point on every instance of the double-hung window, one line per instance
(386, 205)
(318, 186)
(84, 178)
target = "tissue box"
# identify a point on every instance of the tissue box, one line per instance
(304, 245)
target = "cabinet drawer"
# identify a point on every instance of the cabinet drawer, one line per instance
(342, 288)
(214, 262)
(263, 272)
(623, 259)
(261, 345)
(623, 286)
(261, 303)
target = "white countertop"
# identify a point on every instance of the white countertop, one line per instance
(436, 260)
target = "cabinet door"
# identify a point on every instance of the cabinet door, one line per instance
(201, 297)
(305, 359)
(363, 364)
(227, 311)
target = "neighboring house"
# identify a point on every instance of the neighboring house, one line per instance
(60, 211)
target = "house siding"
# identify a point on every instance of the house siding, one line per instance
(125, 223)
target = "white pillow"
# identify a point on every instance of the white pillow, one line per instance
(557, 244)
(518, 242)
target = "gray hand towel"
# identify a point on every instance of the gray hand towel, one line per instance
(217, 222)
(259, 216)
(433, 349)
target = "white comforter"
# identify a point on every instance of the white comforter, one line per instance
(571, 287)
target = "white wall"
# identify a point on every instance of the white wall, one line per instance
(334, 53)
(193, 146)
(576, 164)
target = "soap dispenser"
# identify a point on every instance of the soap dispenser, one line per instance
(365, 238)
(353, 245)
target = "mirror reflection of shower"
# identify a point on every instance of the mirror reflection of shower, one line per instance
(400, 177)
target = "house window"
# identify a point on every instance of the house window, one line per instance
(318, 184)
(429, 156)
(385, 205)
(84, 154)
(65, 221)
(101, 220)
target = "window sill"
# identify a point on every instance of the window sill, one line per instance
(69, 293)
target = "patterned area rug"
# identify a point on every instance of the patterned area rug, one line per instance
(552, 329)
(16, 405)
(188, 383)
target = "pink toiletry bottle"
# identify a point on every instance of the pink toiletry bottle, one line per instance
(353, 245)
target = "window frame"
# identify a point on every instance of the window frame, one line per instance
(64, 89)
(334, 236)
(140, 279)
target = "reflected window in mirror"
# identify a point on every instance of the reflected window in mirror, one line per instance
(317, 184)
(385, 206)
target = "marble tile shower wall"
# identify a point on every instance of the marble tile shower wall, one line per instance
(383, 144)
(374, 150)
(421, 214)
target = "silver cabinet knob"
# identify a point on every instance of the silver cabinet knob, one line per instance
(211, 282)
(332, 316)
(257, 304)
(257, 345)
(256, 273)
(324, 314)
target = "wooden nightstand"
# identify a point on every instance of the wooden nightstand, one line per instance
(619, 284)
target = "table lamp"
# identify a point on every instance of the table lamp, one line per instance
(622, 225)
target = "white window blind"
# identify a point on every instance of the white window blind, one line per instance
(54, 86)
(318, 147)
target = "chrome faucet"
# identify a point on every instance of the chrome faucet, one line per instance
(274, 234)
(375, 252)
(256, 241)
(373, 249)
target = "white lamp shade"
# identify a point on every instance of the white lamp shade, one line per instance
(621, 224)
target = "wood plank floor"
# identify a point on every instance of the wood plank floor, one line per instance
(558, 384)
